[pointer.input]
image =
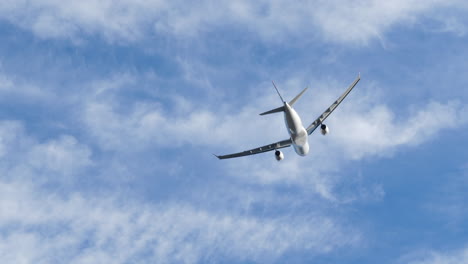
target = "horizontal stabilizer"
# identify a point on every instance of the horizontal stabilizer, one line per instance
(276, 110)
(297, 97)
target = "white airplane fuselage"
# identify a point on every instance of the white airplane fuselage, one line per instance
(296, 130)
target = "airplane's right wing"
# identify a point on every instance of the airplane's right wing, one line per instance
(274, 146)
(332, 107)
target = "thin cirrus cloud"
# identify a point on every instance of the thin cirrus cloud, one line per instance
(27, 159)
(434, 257)
(338, 21)
(379, 132)
(47, 228)
(19, 89)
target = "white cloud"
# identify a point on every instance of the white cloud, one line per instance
(143, 124)
(52, 18)
(378, 131)
(10, 87)
(23, 157)
(452, 24)
(360, 21)
(10, 134)
(64, 155)
(433, 257)
(341, 21)
(44, 228)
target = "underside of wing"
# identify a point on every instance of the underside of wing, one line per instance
(330, 109)
(270, 147)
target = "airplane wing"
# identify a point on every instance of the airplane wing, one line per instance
(330, 109)
(274, 146)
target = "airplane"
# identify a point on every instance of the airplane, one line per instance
(298, 134)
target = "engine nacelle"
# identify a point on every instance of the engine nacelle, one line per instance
(324, 129)
(279, 155)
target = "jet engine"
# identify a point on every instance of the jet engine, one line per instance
(324, 129)
(279, 155)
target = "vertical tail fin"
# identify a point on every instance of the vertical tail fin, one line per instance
(282, 100)
(281, 108)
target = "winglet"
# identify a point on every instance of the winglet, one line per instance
(216, 156)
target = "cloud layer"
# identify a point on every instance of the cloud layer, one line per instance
(338, 21)
(46, 228)
(432, 257)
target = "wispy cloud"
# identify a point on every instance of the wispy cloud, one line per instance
(379, 131)
(55, 160)
(341, 21)
(361, 21)
(434, 257)
(12, 88)
(113, 20)
(46, 228)
(63, 155)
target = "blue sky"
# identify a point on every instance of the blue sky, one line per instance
(110, 111)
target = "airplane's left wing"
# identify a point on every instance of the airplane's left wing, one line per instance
(274, 146)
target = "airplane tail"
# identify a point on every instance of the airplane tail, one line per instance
(281, 108)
